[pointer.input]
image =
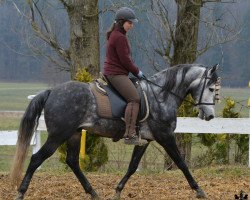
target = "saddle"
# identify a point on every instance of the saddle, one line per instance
(111, 105)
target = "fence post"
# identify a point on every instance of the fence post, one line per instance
(83, 145)
(37, 145)
(37, 139)
(248, 104)
(37, 134)
(249, 150)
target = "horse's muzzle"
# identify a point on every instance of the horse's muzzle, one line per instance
(209, 117)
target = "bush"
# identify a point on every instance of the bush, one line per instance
(219, 146)
(96, 150)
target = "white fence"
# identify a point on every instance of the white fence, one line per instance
(10, 138)
(184, 125)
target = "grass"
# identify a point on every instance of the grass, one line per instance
(13, 96)
(9, 122)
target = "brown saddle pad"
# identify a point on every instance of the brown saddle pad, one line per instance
(102, 100)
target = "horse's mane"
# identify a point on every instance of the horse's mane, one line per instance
(171, 77)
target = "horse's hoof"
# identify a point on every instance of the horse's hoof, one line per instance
(117, 196)
(19, 196)
(94, 196)
(200, 194)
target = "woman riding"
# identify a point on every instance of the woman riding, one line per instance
(118, 65)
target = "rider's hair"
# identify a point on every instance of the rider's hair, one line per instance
(118, 23)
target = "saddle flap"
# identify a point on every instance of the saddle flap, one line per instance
(117, 103)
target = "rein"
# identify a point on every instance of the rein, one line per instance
(183, 99)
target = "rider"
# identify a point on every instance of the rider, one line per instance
(117, 66)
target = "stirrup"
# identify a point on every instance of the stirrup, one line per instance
(135, 141)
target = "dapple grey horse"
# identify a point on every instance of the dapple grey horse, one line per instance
(71, 107)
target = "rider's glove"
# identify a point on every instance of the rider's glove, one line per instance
(141, 76)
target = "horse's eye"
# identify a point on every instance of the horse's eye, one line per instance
(211, 89)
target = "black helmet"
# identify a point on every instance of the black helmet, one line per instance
(125, 13)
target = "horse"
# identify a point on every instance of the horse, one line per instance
(71, 107)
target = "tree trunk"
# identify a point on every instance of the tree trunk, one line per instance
(185, 48)
(84, 36)
(186, 33)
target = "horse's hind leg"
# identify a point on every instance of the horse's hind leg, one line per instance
(36, 160)
(73, 149)
(135, 160)
(167, 141)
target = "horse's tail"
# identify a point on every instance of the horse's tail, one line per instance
(27, 127)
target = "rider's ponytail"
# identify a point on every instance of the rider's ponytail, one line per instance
(118, 23)
(110, 31)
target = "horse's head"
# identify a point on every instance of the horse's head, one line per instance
(204, 91)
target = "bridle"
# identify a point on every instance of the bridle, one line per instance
(203, 88)
(205, 77)
(217, 89)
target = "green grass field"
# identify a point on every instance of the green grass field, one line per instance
(13, 97)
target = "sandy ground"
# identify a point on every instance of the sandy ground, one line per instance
(170, 185)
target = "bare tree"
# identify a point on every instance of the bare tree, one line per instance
(83, 50)
(179, 39)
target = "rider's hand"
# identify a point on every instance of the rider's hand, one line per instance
(141, 76)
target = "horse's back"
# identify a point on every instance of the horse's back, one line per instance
(71, 89)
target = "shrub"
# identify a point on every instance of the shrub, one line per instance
(219, 145)
(96, 150)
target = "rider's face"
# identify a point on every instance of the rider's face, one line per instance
(128, 25)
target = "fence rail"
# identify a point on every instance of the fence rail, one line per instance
(184, 125)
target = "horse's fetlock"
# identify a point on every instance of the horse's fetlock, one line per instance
(200, 194)
(19, 196)
(119, 188)
(117, 195)
(22, 190)
(93, 194)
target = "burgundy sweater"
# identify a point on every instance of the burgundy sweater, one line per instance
(118, 59)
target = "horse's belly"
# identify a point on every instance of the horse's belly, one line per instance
(108, 128)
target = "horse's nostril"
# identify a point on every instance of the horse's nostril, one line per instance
(211, 117)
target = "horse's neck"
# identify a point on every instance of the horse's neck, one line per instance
(179, 89)
(164, 102)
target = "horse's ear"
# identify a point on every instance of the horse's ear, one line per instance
(214, 68)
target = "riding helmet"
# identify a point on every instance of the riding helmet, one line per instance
(125, 13)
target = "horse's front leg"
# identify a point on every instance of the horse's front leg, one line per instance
(167, 141)
(135, 160)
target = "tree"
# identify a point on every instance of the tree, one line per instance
(83, 51)
(82, 55)
(180, 42)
